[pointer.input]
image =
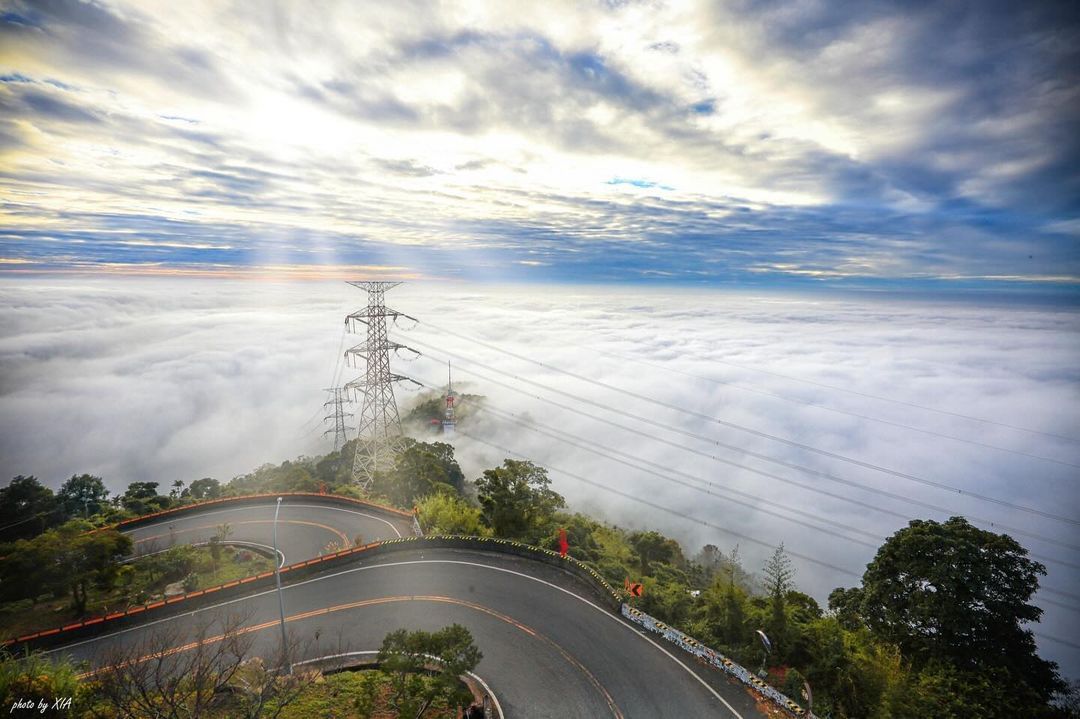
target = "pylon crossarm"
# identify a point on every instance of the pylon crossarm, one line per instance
(363, 349)
(373, 285)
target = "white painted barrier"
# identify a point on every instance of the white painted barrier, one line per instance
(714, 658)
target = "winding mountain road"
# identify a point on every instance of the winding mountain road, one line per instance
(551, 648)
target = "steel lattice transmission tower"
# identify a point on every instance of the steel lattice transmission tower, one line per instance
(338, 397)
(379, 427)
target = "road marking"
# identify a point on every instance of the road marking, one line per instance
(231, 542)
(372, 602)
(286, 588)
(350, 511)
(271, 506)
(345, 540)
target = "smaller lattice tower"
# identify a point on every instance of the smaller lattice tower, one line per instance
(449, 423)
(379, 435)
(338, 396)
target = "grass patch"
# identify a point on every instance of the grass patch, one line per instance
(353, 695)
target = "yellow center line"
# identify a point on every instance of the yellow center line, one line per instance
(372, 602)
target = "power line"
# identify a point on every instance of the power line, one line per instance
(893, 401)
(629, 461)
(826, 475)
(334, 382)
(943, 510)
(725, 423)
(816, 405)
(925, 505)
(666, 510)
(805, 470)
(569, 439)
(684, 516)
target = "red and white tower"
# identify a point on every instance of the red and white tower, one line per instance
(449, 423)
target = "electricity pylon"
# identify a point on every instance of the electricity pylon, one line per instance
(338, 397)
(379, 429)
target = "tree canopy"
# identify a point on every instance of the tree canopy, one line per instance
(405, 655)
(82, 494)
(205, 488)
(515, 499)
(951, 594)
(419, 470)
(26, 507)
(67, 559)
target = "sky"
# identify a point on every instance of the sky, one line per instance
(159, 379)
(794, 144)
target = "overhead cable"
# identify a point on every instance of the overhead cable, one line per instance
(956, 490)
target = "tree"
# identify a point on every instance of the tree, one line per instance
(446, 513)
(734, 601)
(82, 560)
(653, 547)
(958, 595)
(405, 655)
(419, 469)
(66, 559)
(515, 500)
(26, 507)
(178, 490)
(25, 570)
(846, 605)
(214, 675)
(778, 575)
(205, 488)
(82, 495)
(143, 498)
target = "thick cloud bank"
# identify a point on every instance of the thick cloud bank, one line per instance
(179, 379)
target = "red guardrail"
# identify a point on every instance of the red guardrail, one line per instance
(187, 595)
(202, 505)
(404, 543)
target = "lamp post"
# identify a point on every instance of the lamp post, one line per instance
(281, 599)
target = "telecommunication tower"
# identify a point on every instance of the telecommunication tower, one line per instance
(379, 427)
(338, 397)
(449, 424)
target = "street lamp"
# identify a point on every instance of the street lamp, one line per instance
(280, 598)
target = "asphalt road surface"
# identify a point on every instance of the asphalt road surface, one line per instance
(305, 527)
(550, 648)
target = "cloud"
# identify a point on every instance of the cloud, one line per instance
(164, 379)
(792, 142)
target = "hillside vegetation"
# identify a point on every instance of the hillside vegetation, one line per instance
(936, 628)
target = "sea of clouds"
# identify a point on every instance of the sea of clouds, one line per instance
(162, 379)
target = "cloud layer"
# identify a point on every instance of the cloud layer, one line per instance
(753, 142)
(178, 379)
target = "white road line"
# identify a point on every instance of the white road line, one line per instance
(267, 506)
(234, 542)
(600, 609)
